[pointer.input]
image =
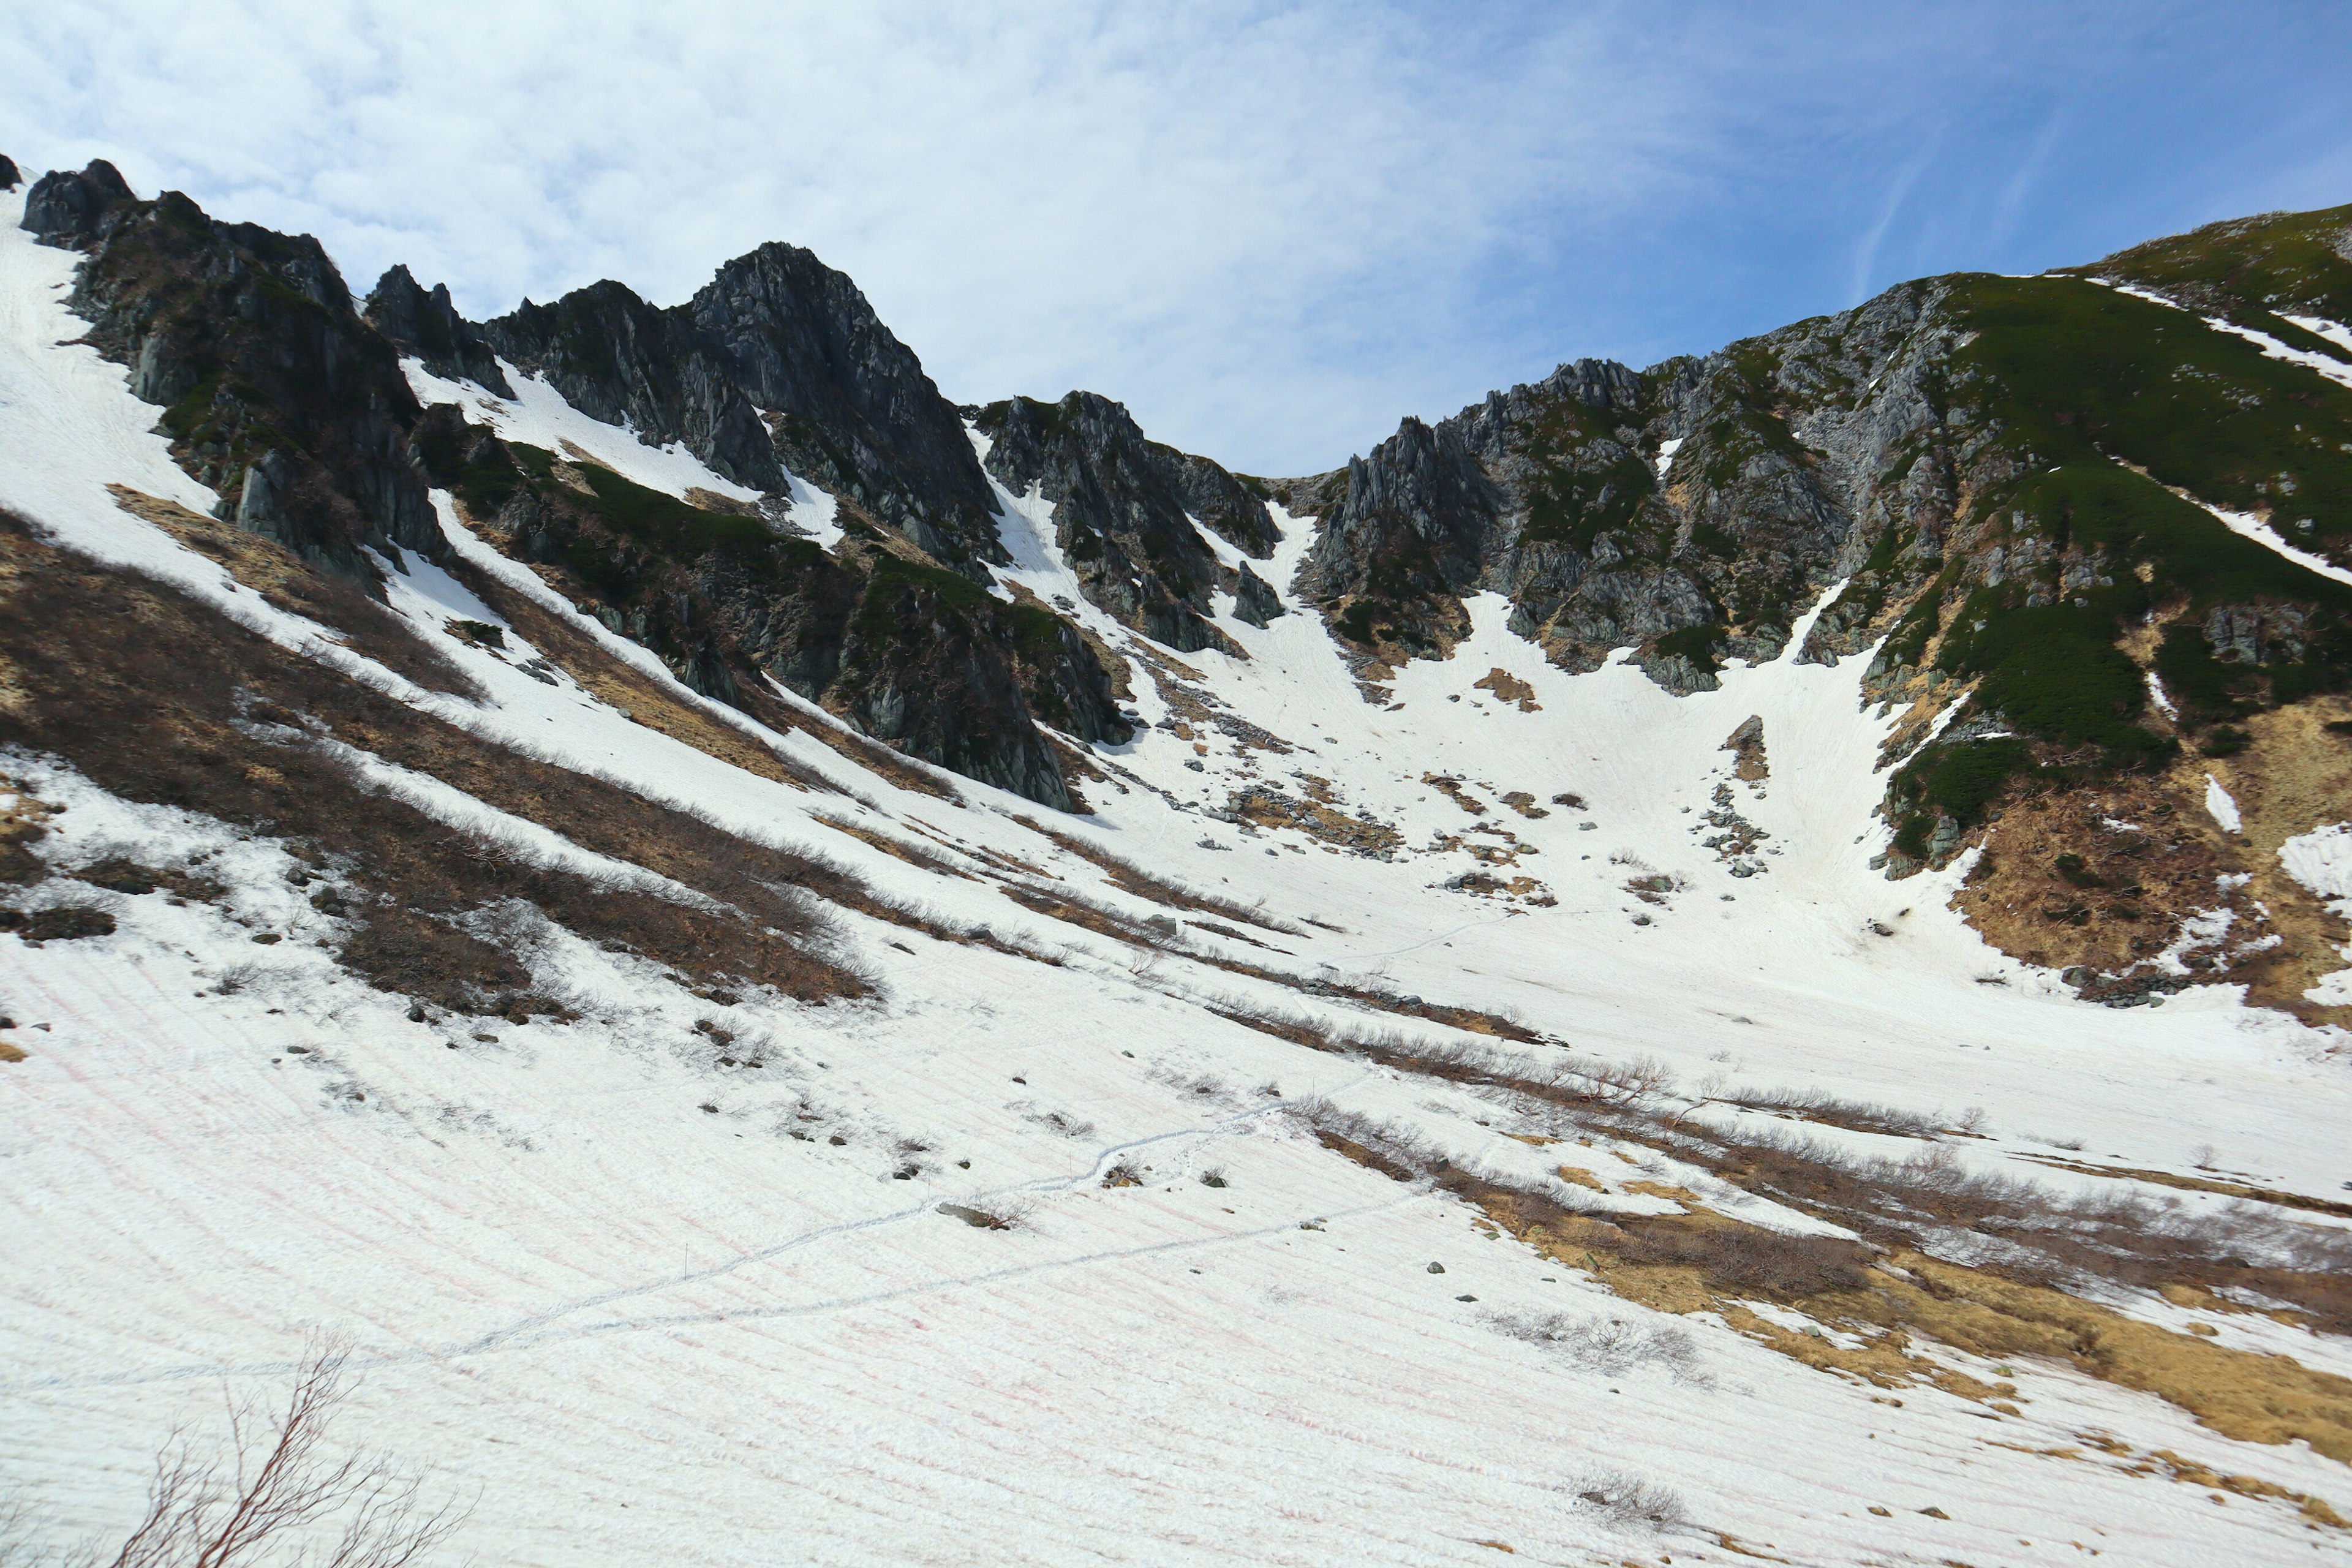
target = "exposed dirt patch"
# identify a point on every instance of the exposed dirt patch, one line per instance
(1508, 688)
(1130, 877)
(1747, 745)
(159, 698)
(291, 585)
(1452, 790)
(1264, 806)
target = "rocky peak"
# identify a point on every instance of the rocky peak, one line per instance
(1404, 540)
(63, 209)
(1124, 510)
(848, 404)
(428, 326)
(618, 358)
(275, 392)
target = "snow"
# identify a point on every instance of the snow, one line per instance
(2155, 694)
(1666, 450)
(2334, 369)
(538, 415)
(2321, 860)
(577, 1288)
(2319, 327)
(2222, 808)
(2263, 534)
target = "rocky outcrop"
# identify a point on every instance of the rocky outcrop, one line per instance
(275, 393)
(1124, 510)
(617, 358)
(9, 178)
(874, 631)
(1408, 536)
(63, 209)
(428, 326)
(1254, 601)
(778, 364)
(848, 404)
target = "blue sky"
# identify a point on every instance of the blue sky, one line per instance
(1270, 229)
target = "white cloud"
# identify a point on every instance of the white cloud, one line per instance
(1165, 203)
(1272, 228)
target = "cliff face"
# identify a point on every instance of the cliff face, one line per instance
(2038, 496)
(1124, 512)
(2092, 530)
(274, 391)
(293, 404)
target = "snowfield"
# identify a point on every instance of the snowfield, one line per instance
(644, 1300)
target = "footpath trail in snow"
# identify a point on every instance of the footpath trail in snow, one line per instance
(661, 1307)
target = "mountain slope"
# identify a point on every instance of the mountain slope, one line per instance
(1421, 1105)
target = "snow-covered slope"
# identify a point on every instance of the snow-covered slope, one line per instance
(672, 1280)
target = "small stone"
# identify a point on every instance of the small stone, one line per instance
(1437, 1269)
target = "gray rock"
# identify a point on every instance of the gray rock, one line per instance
(64, 209)
(1255, 602)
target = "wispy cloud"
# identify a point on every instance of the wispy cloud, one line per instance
(1271, 227)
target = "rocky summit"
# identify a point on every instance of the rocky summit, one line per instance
(732, 961)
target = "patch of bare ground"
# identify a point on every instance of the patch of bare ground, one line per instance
(2027, 1297)
(2102, 879)
(898, 849)
(159, 698)
(1470, 1020)
(1075, 909)
(2099, 879)
(290, 583)
(2202, 1184)
(2294, 775)
(1508, 688)
(1263, 806)
(1452, 789)
(1891, 1299)
(1130, 877)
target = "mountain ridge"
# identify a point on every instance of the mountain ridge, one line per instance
(1692, 512)
(761, 1033)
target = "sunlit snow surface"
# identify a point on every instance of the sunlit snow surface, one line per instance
(650, 1331)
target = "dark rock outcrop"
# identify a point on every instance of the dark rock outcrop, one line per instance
(1255, 602)
(619, 359)
(428, 326)
(275, 393)
(848, 404)
(1120, 506)
(9, 178)
(778, 362)
(873, 631)
(63, 209)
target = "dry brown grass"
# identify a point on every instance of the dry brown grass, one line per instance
(1887, 1289)
(1129, 877)
(291, 585)
(159, 698)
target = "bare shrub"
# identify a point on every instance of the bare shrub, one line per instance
(1609, 1345)
(1059, 1122)
(1631, 1503)
(991, 1212)
(276, 1495)
(1819, 1105)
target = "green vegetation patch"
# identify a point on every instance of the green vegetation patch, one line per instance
(2079, 371)
(2278, 261)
